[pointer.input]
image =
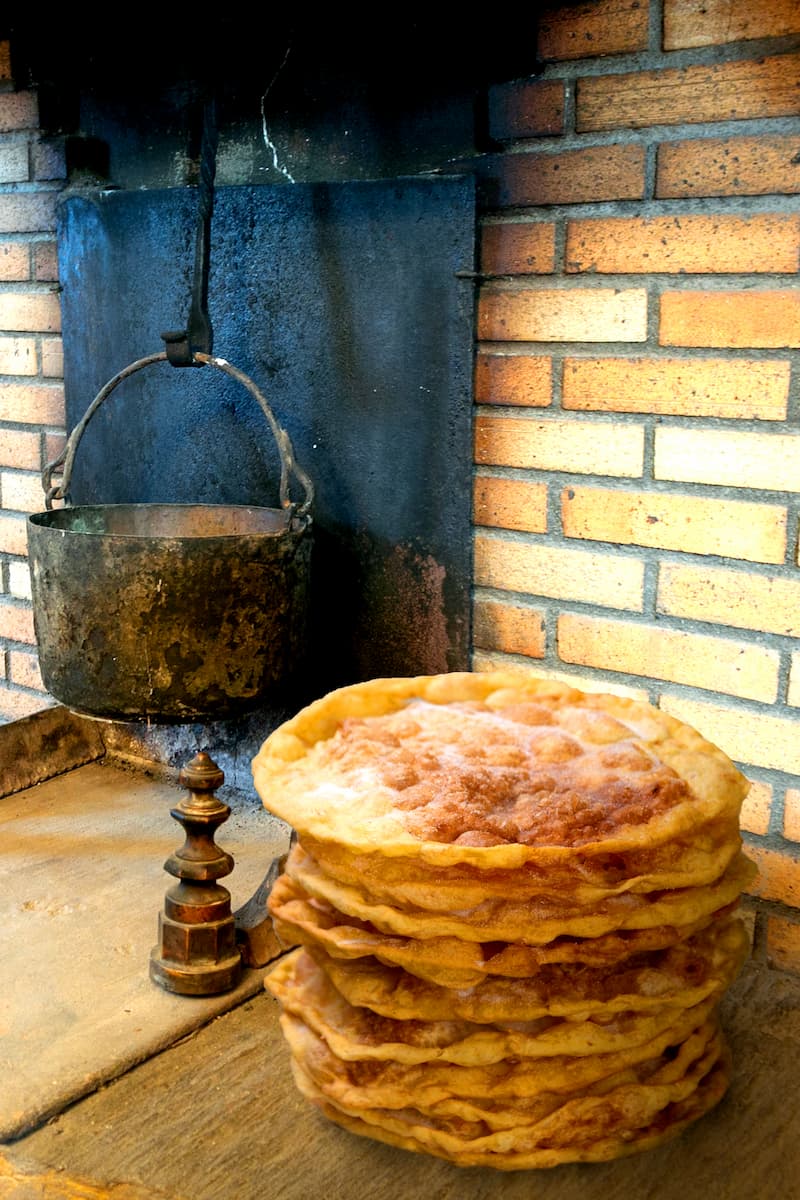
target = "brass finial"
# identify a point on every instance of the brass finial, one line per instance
(197, 954)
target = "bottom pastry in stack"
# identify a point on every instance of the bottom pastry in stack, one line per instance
(514, 907)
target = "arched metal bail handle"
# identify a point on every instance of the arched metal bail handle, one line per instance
(289, 465)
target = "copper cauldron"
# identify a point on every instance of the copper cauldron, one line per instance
(170, 612)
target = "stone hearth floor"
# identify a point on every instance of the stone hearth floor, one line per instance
(81, 888)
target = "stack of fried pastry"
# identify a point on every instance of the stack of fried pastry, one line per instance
(511, 908)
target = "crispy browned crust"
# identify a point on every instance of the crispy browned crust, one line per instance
(624, 1121)
(533, 922)
(300, 920)
(358, 1034)
(535, 772)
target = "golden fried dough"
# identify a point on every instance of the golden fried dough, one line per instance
(513, 907)
(300, 920)
(527, 922)
(493, 1109)
(357, 1033)
(694, 859)
(606, 1127)
(492, 769)
(389, 1084)
(683, 976)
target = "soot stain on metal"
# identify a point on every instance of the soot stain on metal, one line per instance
(404, 620)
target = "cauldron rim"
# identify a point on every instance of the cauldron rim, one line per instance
(166, 521)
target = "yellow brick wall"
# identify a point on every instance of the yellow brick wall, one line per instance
(31, 386)
(636, 397)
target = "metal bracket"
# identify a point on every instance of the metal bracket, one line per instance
(198, 337)
(255, 935)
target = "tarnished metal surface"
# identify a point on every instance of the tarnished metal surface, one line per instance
(169, 612)
(197, 953)
(256, 938)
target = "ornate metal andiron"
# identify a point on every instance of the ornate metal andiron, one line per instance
(197, 954)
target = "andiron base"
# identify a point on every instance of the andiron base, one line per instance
(197, 952)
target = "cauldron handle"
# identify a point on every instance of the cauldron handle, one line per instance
(289, 465)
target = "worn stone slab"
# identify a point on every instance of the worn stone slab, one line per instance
(45, 744)
(217, 1117)
(81, 888)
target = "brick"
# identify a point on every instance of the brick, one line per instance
(510, 628)
(746, 389)
(49, 159)
(791, 814)
(565, 177)
(45, 262)
(18, 110)
(19, 580)
(24, 670)
(758, 738)
(767, 603)
(793, 694)
(27, 312)
(731, 91)
(20, 448)
(14, 162)
(756, 808)
(563, 315)
(714, 22)
(510, 504)
(17, 356)
(717, 664)
(52, 350)
(21, 491)
(692, 524)
(15, 262)
(749, 166)
(16, 621)
(778, 876)
(731, 319)
(583, 447)
(32, 404)
(53, 445)
(13, 535)
(526, 108)
(783, 944)
(561, 573)
(727, 458)
(518, 248)
(568, 31)
(684, 244)
(522, 379)
(15, 704)
(27, 212)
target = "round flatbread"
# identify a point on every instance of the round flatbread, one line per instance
(528, 922)
(298, 919)
(495, 770)
(682, 976)
(359, 1034)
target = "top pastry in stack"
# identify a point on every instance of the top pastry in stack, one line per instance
(514, 907)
